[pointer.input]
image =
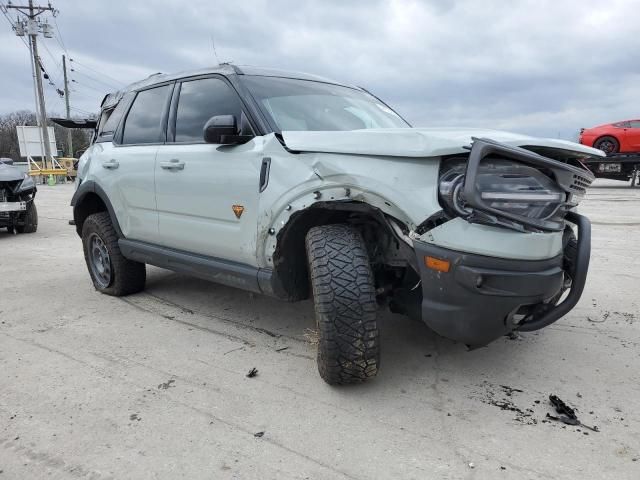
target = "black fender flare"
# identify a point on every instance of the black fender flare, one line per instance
(81, 193)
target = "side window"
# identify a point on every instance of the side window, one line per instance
(144, 121)
(621, 125)
(109, 119)
(199, 101)
(635, 123)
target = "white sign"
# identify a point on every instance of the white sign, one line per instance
(30, 141)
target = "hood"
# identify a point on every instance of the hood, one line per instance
(10, 174)
(418, 142)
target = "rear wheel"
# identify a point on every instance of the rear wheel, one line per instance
(607, 144)
(345, 304)
(30, 219)
(110, 271)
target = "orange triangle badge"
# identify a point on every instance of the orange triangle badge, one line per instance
(237, 209)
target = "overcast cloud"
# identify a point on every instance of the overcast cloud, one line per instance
(540, 67)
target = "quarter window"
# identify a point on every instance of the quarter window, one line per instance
(110, 119)
(199, 101)
(635, 123)
(144, 121)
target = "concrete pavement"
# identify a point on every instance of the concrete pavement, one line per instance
(154, 385)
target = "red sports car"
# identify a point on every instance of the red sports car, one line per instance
(619, 137)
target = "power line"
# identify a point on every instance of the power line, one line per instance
(56, 62)
(59, 36)
(88, 86)
(99, 73)
(80, 110)
(94, 79)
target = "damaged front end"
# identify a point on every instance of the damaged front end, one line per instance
(17, 192)
(476, 298)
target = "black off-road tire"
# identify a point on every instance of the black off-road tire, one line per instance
(345, 304)
(30, 219)
(126, 276)
(607, 144)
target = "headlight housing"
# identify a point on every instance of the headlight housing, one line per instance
(511, 187)
(27, 183)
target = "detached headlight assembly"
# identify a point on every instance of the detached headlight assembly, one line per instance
(532, 194)
(518, 189)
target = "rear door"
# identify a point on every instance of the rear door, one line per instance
(207, 194)
(129, 164)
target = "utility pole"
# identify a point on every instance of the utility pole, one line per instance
(66, 101)
(33, 28)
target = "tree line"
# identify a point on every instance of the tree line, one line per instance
(80, 138)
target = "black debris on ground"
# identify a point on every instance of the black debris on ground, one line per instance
(252, 373)
(281, 349)
(258, 434)
(566, 414)
(135, 416)
(510, 390)
(502, 396)
(166, 385)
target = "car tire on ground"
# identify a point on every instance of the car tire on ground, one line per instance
(30, 219)
(345, 304)
(110, 272)
(607, 145)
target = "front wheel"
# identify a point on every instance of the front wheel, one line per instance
(345, 304)
(30, 224)
(110, 271)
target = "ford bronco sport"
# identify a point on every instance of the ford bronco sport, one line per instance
(296, 186)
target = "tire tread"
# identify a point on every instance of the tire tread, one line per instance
(128, 276)
(345, 304)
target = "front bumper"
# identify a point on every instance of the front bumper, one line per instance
(482, 298)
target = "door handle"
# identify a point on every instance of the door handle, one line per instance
(111, 164)
(173, 164)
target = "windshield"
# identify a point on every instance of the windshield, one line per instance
(307, 105)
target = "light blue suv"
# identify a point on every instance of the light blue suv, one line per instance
(296, 186)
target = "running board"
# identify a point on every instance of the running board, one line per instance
(216, 270)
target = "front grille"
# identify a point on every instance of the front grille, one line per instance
(580, 183)
(10, 186)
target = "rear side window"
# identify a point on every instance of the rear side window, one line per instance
(635, 123)
(199, 101)
(144, 121)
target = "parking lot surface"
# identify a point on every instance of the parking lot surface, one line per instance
(154, 385)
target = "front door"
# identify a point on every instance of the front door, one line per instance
(207, 194)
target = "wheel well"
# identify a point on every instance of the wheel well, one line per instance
(603, 136)
(89, 204)
(290, 258)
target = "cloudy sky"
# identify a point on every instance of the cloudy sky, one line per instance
(542, 67)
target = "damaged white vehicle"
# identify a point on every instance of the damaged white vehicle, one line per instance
(298, 187)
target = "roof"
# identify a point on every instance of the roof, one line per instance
(223, 69)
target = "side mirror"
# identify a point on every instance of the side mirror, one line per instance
(223, 129)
